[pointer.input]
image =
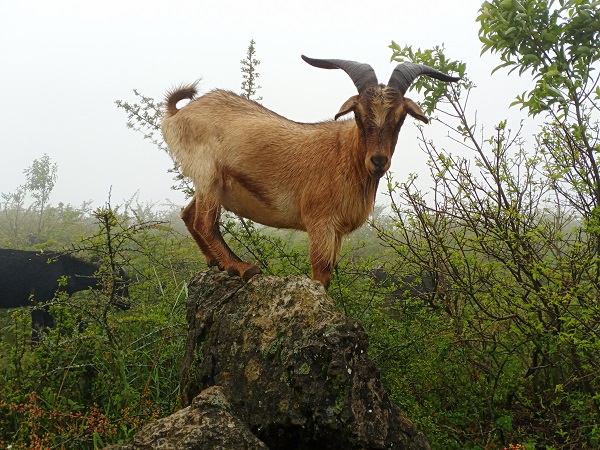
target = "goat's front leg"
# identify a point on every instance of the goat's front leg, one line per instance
(324, 246)
(203, 225)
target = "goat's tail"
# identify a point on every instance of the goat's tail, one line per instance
(174, 96)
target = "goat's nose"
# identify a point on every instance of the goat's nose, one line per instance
(379, 161)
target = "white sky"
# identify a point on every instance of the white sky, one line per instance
(64, 63)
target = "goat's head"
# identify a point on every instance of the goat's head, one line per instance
(380, 110)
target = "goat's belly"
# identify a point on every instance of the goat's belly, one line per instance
(263, 209)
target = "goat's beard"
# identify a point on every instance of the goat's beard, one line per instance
(371, 186)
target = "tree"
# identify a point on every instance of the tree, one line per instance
(249, 74)
(512, 231)
(22, 224)
(40, 179)
(560, 46)
(13, 209)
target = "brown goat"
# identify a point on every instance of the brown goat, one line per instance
(320, 178)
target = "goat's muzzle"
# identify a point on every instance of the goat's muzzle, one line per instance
(379, 161)
(379, 164)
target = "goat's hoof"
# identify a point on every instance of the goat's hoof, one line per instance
(249, 273)
(232, 272)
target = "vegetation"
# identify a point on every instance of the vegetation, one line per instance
(511, 342)
(250, 74)
(500, 351)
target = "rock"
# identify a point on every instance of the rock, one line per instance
(206, 424)
(292, 368)
(272, 364)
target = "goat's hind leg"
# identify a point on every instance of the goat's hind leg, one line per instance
(188, 216)
(205, 230)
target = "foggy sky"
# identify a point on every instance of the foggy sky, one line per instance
(66, 62)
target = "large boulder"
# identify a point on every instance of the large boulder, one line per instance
(289, 367)
(292, 367)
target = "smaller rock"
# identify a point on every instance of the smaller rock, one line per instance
(207, 424)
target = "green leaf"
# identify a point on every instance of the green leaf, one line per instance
(507, 63)
(552, 72)
(530, 59)
(554, 92)
(549, 37)
(515, 102)
(583, 50)
(518, 5)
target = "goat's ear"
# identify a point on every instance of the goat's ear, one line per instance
(349, 105)
(414, 110)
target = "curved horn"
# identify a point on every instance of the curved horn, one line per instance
(361, 74)
(404, 74)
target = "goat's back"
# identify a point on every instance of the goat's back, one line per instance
(223, 131)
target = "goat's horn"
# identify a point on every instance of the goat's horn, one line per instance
(404, 74)
(361, 74)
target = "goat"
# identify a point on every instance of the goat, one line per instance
(28, 278)
(318, 177)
